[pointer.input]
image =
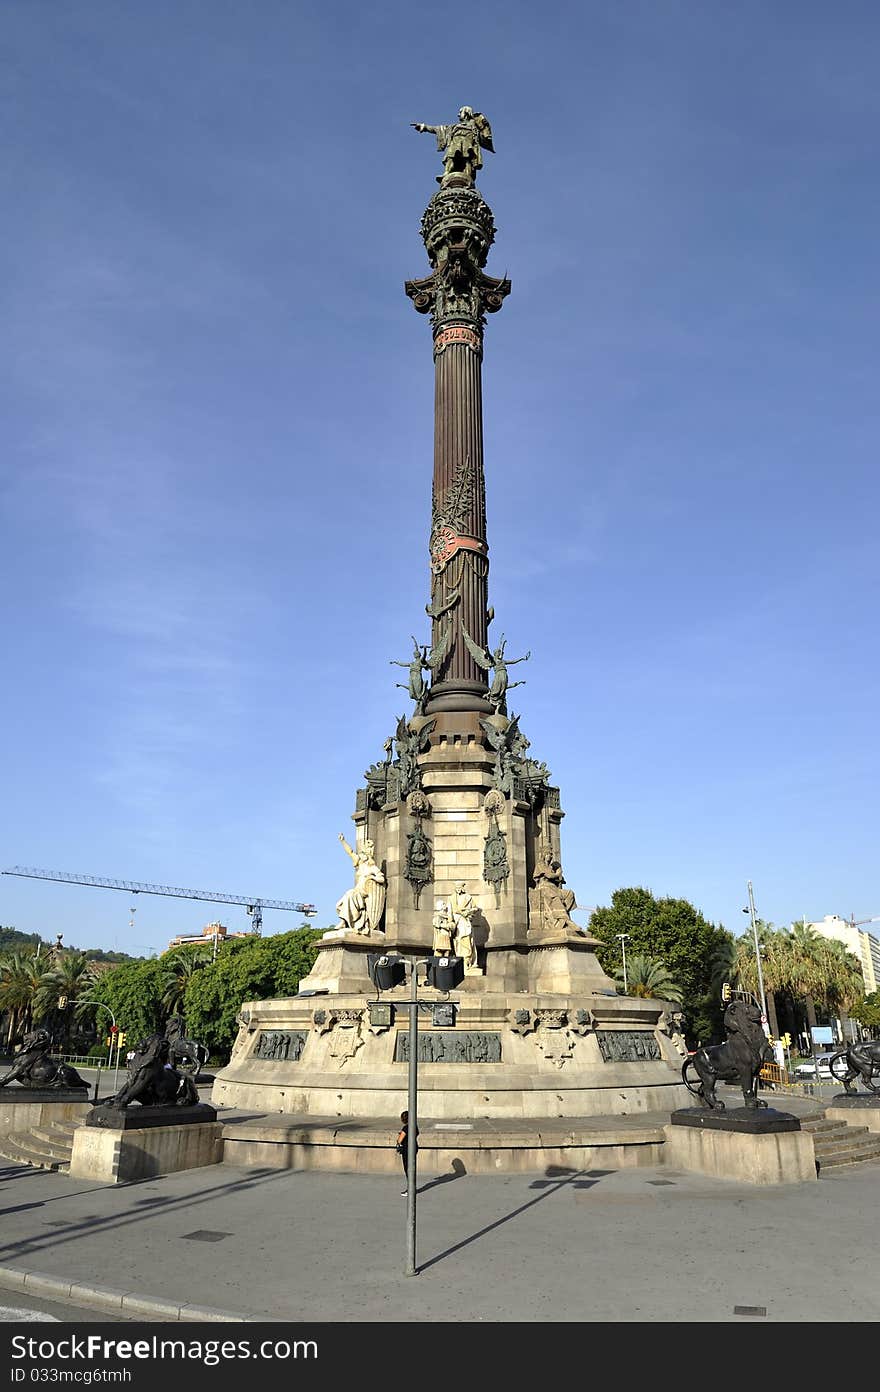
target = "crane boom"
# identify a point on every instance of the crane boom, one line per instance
(253, 903)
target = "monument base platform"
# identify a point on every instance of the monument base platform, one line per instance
(507, 1081)
(749, 1145)
(472, 1147)
(118, 1155)
(518, 1057)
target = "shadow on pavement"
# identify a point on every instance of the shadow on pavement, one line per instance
(559, 1177)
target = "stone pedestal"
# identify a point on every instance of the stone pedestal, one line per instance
(566, 963)
(21, 1109)
(117, 1146)
(751, 1146)
(856, 1109)
(341, 965)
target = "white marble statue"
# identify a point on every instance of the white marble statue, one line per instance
(361, 908)
(442, 925)
(462, 907)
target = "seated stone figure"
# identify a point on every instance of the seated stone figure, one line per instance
(550, 902)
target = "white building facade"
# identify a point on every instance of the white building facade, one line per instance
(864, 946)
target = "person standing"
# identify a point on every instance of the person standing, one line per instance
(402, 1148)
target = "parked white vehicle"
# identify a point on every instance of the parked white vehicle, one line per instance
(807, 1069)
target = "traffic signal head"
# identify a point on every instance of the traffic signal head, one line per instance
(725, 991)
(121, 1038)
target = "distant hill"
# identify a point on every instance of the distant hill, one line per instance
(12, 939)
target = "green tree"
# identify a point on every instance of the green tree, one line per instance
(11, 938)
(245, 969)
(806, 972)
(71, 980)
(676, 933)
(179, 967)
(776, 967)
(25, 990)
(133, 992)
(647, 977)
(867, 1011)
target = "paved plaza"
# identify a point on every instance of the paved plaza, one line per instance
(600, 1245)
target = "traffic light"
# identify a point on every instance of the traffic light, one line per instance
(121, 1038)
(62, 1002)
(109, 1041)
(785, 1040)
(725, 991)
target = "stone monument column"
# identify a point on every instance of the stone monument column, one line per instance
(458, 230)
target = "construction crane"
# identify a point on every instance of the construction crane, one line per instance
(857, 922)
(252, 902)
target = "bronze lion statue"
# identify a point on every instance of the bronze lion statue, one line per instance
(33, 1066)
(862, 1061)
(737, 1060)
(152, 1081)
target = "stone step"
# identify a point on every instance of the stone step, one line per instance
(840, 1133)
(65, 1128)
(828, 1139)
(866, 1142)
(19, 1147)
(853, 1156)
(57, 1143)
(859, 1137)
(818, 1126)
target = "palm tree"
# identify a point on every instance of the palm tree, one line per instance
(807, 976)
(647, 977)
(179, 973)
(14, 993)
(71, 980)
(843, 983)
(23, 989)
(775, 967)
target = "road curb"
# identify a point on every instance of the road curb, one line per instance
(105, 1298)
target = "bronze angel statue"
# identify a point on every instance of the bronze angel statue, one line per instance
(498, 663)
(427, 660)
(461, 144)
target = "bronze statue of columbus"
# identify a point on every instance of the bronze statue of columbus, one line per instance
(461, 144)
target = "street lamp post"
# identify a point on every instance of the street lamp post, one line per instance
(754, 921)
(388, 972)
(115, 1037)
(622, 937)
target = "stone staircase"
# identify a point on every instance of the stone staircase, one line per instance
(45, 1147)
(837, 1143)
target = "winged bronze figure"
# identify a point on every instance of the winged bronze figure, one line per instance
(498, 664)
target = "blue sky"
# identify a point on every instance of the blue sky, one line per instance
(217, 404)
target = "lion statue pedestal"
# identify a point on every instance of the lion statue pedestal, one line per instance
(154, 1125)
